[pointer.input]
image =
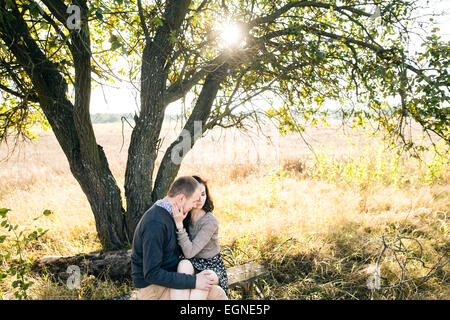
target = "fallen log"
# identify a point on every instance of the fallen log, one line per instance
(114, 265)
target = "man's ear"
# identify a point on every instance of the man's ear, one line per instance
(180, 198)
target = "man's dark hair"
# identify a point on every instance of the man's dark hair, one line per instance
(183, 185)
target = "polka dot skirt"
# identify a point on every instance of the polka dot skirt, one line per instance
(215, 264)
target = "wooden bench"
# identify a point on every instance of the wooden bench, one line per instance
(244, 275)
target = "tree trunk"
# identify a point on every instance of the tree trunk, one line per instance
(73, 129)
(169, 168)
(115, 265)
(71, 123)
(142, 151)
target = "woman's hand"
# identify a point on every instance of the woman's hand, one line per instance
(178, 216)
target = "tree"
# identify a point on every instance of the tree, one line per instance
(299, 52)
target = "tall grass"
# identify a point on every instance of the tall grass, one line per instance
(316, 220)
(375, 164)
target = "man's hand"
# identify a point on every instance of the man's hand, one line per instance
(178, 215)
(204, 280)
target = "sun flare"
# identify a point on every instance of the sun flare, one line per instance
(231, 34)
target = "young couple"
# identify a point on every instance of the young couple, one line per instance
(181, 222)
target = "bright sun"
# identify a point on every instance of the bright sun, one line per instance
(231, 34)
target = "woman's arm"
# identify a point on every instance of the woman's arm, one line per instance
(192, 248)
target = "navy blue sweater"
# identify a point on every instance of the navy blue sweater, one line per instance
(155, 253)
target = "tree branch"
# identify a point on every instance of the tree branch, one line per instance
(300, 4)
(58, 9)
(142, 21)
(169, 166)
(180, 88)
(18, 94)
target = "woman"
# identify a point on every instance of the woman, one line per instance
(198, 238)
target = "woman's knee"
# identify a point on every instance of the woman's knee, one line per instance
(185, 266)
(216, 293)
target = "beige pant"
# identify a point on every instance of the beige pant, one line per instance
(155, 292)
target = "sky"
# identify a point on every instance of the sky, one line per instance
(121, 97)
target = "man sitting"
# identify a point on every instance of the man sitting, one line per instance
(156, 254)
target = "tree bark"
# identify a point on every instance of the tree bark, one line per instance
(73, 129)
(115, 265)
(142, 151)
(70, 123)
(169, 168)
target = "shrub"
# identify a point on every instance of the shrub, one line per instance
(14, 263)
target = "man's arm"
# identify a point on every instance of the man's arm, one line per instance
(153, 241)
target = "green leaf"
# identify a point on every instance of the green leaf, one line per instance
(52, 44)
(47, 212)
(115, 45)
(3, 212)
(44, 25)
(157, 22)
(3, 49)
(34, 9)
(10, 4)
(25, 286)
(99, 14)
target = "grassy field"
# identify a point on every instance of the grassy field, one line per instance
(319, 220)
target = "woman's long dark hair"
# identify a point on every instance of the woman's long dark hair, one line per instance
(207, 207)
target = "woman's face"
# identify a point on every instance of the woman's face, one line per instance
(199, 204)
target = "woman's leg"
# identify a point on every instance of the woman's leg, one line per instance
(184, 266)
(202, 294)
(217, 293)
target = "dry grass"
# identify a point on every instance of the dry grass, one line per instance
(317, 225)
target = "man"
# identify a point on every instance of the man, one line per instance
(156, 254)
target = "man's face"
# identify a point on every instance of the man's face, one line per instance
(189, 203)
